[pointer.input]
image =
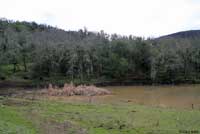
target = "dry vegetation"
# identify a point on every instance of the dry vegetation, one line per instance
(71, 90)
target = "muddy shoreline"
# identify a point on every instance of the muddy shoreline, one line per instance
(29, 84)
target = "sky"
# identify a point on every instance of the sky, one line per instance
(146, 18)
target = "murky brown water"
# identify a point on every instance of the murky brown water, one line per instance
(165, 96)
(184, 96)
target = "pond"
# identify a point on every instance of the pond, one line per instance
(169, 96)
(183, 96)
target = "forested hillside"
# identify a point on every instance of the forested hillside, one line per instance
(35, 52)
(192, 34)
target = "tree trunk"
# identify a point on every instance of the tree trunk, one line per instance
(24, 63)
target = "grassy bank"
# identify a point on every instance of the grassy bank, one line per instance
(14, 122)
(20, 116)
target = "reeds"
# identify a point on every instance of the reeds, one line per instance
(71, 90)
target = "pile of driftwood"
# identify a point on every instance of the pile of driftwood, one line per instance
(71, 90)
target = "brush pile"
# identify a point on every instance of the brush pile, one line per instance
(71, 90)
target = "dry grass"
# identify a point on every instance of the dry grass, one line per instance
(71, 90)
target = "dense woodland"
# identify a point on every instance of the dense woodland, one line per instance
(31, 51)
